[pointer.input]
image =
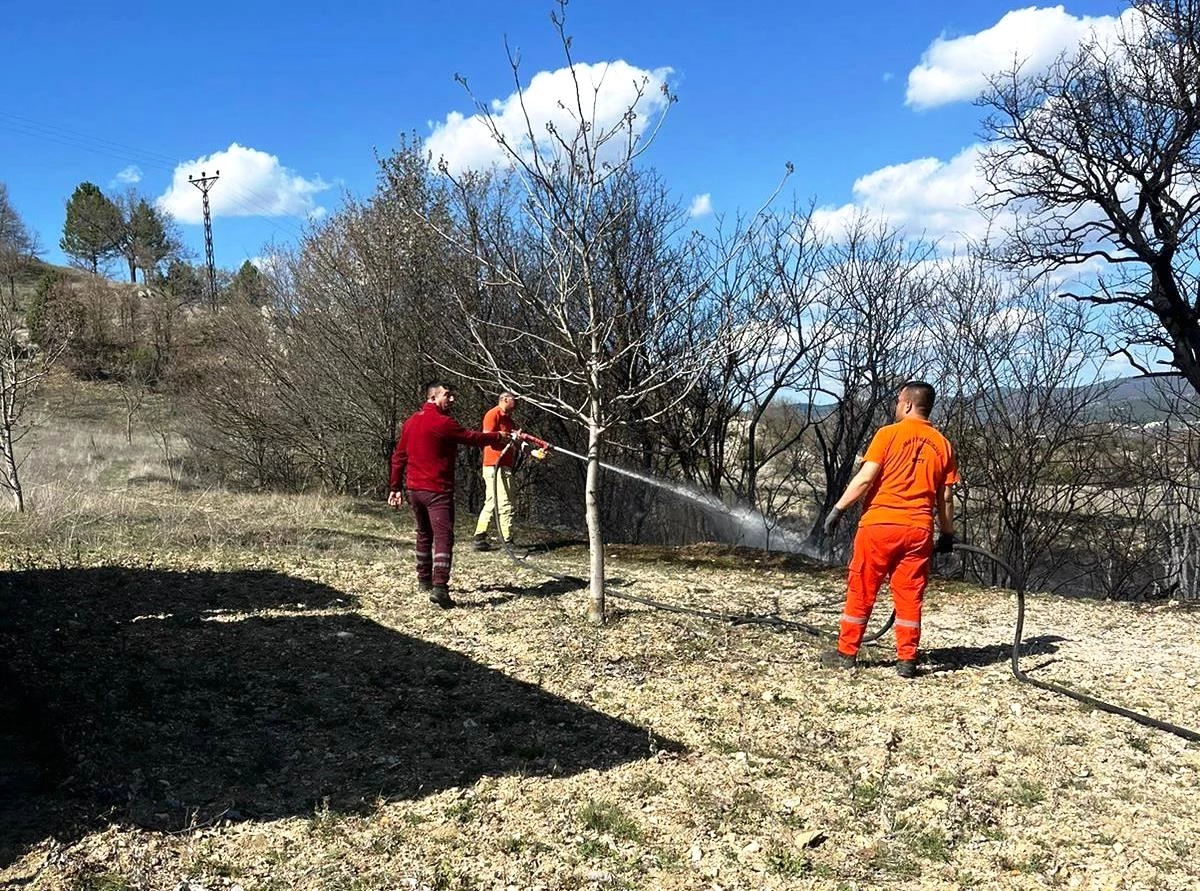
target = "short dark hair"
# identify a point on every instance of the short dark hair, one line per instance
(920, 394)
(433, 386)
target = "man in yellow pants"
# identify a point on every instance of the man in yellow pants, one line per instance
(497, 475)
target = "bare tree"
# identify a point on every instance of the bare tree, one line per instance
(1157, 448)
(328, 354)
(1176, 458)
(597, 267)
(785, 331)
(18, 246)
(697, 439)
(1020, 377)
(1099, 159)
(876, 284)
(23, 368)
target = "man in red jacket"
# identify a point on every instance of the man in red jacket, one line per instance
(422, 473)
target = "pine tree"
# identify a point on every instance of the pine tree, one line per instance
(93, 230)
(250, 286)
(148, 238)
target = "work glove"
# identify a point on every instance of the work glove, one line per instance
(945, 543)
(831, 521)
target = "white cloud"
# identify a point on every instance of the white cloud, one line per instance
(701, 206)
(608, 90)
(926, 196)
(268, 264)
(252, 184)
(130, 175)
(954, 69)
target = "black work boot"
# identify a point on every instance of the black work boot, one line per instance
(424, 586)
(838, 659)
(481, 542)
(906, 668)
(439, 595)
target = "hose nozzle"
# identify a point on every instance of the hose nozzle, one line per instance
(535, 442)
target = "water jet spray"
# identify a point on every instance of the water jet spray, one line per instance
(756, 530)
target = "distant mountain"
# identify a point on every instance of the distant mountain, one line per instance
(1142, 399)
(1135, 399)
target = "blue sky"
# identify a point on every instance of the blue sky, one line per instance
(869, 100)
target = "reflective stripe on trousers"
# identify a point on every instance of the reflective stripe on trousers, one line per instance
(433, 513)
(899, 554)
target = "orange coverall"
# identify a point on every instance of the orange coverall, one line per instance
(895, 534)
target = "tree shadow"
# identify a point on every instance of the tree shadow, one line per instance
(943, 659)
(550, 545)
(156, 698)
(550, 588)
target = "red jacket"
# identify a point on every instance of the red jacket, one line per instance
(429, 441)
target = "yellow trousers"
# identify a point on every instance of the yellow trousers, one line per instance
(497, 500)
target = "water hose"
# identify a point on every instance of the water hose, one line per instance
(1018, 583)
(771, 619)
(774, 620)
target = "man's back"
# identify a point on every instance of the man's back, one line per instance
(915, 463)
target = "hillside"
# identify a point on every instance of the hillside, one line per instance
(211, 690)
(26, 280)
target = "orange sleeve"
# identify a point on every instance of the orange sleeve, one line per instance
(951, 467)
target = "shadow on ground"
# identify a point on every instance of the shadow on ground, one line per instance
(941, 659)
(549, 588)
(153, 698)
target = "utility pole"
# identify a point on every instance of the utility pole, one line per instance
(204, 182)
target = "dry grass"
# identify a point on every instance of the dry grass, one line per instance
(88, 491)
(249, 694)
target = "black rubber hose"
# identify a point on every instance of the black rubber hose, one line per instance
(1018, 583)
(1015, 579)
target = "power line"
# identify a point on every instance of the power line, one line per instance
(241, 197)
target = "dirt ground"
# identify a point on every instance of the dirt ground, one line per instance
(276, 707)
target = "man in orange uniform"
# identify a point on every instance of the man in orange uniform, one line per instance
(903, 483)
(497, 475)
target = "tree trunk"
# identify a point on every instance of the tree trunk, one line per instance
(11, 477)
(132, 270)
(595, 535)
(592, 502)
